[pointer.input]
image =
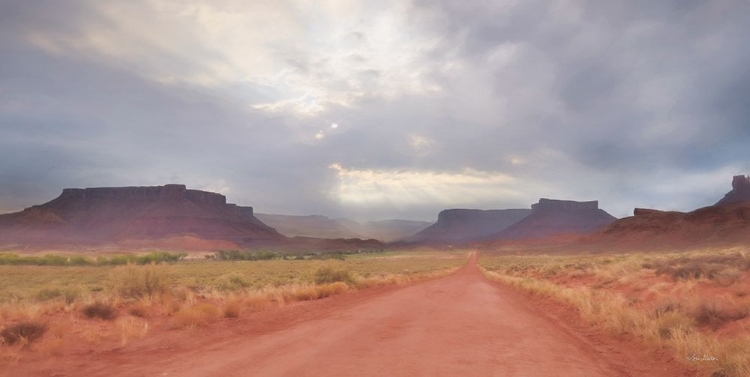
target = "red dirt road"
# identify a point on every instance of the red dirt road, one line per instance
(460, 325)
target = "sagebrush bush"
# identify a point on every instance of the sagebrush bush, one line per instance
(327, 274)
(100, 309)
(715, 313)
(142, 281)
(22, 332)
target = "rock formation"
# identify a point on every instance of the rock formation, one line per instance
(551, 217)
(727, 221)
(740, 191)
(117, 214)
(466, 225)
(564, 205)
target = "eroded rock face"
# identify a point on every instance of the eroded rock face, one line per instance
(564, 205)
(145, 193)
(726, 222)
(551, 217)
(741, 182)
(165, 192)
(114, 214)
(740, 191)
(646, 212)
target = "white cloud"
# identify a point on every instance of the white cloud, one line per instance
(301, 49)
(220, 186)
(373, 187)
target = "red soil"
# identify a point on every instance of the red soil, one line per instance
(460, 325)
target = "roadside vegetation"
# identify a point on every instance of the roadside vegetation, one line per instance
(78, 260)
(695, 304)
(45, 307)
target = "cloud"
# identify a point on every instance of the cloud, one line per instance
(438, 103)
(374, 188)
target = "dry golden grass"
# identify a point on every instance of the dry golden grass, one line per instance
(131, 299)
(131, 328)
(197, 315)
(675, 301)
(232, 309)
(50, 345)
(139, 309)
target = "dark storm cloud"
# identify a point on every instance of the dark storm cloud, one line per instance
(634, 103)
(638, 83)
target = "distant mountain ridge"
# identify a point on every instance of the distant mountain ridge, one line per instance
(466, 225)
(387, 230)
(308, 226)
(174, 216)
(325, 227)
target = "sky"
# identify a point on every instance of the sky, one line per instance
(378, 109)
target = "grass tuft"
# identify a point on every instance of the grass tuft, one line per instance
(232, 282)
(23, 332)
(142, 281)
(101, 310)
(69, 295)
(232, 309)
(715, 313)
(327, 274)
(198, 315)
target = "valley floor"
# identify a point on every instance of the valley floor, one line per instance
(459, 325)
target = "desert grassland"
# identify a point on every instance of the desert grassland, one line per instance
(45, 309)
(693, 303)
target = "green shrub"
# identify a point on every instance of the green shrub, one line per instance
(246, 255)
(78, 260)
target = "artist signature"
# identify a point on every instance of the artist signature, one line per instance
(701, 358)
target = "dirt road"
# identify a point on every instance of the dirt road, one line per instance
(460, 325)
